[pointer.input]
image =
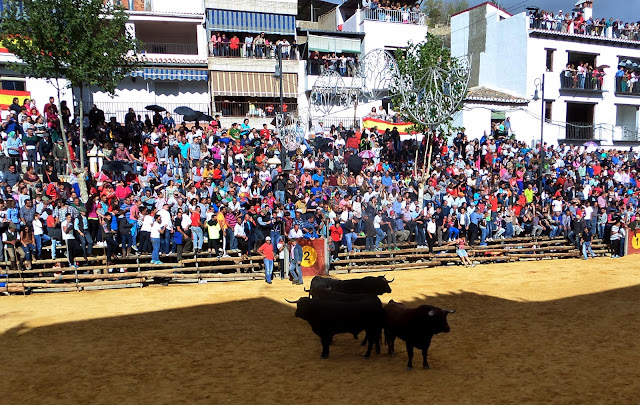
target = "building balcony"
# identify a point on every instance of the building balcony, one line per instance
(257, 109)
(252, 58)
(169, 48)
(626, 88)
(577, 85)
(394, 16)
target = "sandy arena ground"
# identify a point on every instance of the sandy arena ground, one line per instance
(564, 331)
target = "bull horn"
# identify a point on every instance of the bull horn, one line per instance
(450, 311)
(390, 281)
(292, 302)
(305, 290)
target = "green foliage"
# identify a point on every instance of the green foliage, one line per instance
(84, 41)
(440, 11)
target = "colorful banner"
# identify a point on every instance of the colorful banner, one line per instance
(382, 125)
(6, 97)
(633, 242)
(314, 257)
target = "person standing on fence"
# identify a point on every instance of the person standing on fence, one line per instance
(11, 240)
(69, 239)
(587, 236)
(157, 229)
(295, 262)
(266, 251)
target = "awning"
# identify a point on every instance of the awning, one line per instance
(253, 84)
(242, 21)
(170, 74)
(498, 115)
(334, 44)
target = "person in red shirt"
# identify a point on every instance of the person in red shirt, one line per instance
(264, 132)
(266, 251)
(336, 233)
(234, 45)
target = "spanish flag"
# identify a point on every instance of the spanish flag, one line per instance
(6, 97)
(382, 125)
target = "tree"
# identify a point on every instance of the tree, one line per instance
(83, 41)
(428, 89)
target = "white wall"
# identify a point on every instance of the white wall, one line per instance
(173, 6)
(381, 34)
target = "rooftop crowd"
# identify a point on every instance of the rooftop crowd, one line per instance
(221, 191)
(575, 23)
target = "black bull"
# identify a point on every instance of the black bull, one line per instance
(328, 318)
(366, 285)
(416, 326)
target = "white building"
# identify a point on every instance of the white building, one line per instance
(509, 59)
(353, 31)
(174, 60)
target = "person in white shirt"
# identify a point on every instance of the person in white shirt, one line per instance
(296, 232)
(38, 233)
(145, 230)
(167, 225)
(380, 234)
(70, 240)
(157, 229)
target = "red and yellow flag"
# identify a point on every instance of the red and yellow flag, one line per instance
(6, 97)
(382, 125)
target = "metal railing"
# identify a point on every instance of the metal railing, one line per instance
(258, 109)
(167, 48)
(627, 87)
(627, 135)
(346, 67)
(570, 80)
(599, 30)
(580, 131)
(120, 109)
(327, 122)
(395, 16)
(242, 50)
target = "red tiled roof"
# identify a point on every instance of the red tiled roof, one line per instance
(489, 95)
(190, 61)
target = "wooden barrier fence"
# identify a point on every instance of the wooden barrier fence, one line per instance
(136, 271)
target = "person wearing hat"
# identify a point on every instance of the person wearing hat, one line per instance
(14, 249)
(266, 251)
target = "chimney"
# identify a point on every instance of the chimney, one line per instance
(587, 8)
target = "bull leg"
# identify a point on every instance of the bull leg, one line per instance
(355, 336)
(390, 340)
(378, 344)
(326, 342)
(366, 356)
(365, 340)
(425, 349)
(410, 354)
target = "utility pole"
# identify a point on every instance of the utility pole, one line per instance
(284, 157)
(542, 137)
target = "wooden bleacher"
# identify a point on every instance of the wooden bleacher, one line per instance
(136, 271)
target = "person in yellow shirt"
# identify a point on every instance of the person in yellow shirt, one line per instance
(528, 194)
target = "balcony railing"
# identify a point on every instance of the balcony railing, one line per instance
(570, 80)
(242, 50)
(120, 109)
(257, 109)
(345, 68)
(627, 87)
(395, 16)
(168, 48)
(580, 130)
(628, 33)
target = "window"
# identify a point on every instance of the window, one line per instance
(18, 85)
(548, 111)
(550, 60)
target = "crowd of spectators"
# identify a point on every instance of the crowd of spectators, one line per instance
(260, 46)
(584, 76)
(343, 64)
(398, 12)
(627, 80)
(575, 23)
(221, 191)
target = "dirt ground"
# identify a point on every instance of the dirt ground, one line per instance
(563, 331)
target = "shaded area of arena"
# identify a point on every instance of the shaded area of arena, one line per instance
(572, 350)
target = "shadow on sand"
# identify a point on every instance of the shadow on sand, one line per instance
(574, 350)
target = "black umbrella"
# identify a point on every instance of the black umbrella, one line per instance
(203, 117)
(184, 110)
(155, 108)
(354, 164)
(117, 166)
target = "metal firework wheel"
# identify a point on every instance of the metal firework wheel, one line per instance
(432, 95)
(328, 92)
(375, 73)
